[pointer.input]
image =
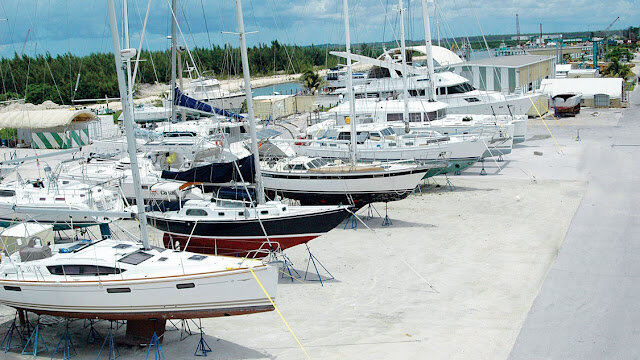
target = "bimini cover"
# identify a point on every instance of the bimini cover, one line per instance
(43, 119)
(188, 102)
(216, 173)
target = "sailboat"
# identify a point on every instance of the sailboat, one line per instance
(41, 200)
(319, 181)
(131, 280)
(233, 227)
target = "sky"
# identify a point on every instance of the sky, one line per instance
(81, 26)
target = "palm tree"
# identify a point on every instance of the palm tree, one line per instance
(311, 81)
(616, 69)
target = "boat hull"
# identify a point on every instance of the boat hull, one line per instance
(213, 294)
(453, 166)
(359, 199)
(239, 238)
(357, 188)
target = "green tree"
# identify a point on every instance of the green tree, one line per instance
(311, 81)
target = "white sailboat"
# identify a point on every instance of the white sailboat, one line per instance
(116, 175)
(45, 200)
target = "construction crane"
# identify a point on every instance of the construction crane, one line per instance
(518, 29)
(605, 33)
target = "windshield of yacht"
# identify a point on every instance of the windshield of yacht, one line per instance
(173, 134)
(455, 89)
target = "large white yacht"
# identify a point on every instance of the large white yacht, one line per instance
(434, 115)
(384, 81)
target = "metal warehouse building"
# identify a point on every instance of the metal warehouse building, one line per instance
(516, 73)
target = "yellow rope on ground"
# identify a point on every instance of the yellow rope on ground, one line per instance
(547, 126)
(279, 313)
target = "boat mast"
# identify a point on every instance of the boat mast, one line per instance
(427, 41)
(127, 107)
(127, 45)
(405, 113)
(247, 86)
(352, 98)
(174, 45)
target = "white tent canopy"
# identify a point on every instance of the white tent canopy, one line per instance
(43, 119)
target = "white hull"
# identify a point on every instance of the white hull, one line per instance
(363, 185)
(213, 293)
(514, 105)
(167, 285)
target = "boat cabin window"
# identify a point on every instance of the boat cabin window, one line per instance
(455, 89)
(387, 132)
(229, 203)
(472, 99)
(122, 246)
(430, 116)
(394, 117)
(375, 136)
(83, 270)
(196, 212)
(344, 136)
(264, 212)
(7, 193)
(415, 117)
